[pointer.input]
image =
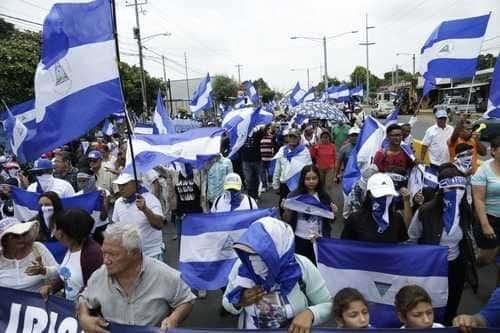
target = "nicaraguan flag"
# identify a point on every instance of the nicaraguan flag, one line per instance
(195, 146)
(297, 95)
(77, 77)
(240, 123)
(297, 160)
(24, 112)
(26, 203)
(378, 271)
(452, 49)
(392, 118)
(369, 141)
(161, 120)
(422, 177)
(143, 128)
(493, 110)
(357, 91)
(16, 132)
(309, 204)
(202, 96)
(251, 92)
(206, 254)
(339, 93)
(108, 128)
(309, 96)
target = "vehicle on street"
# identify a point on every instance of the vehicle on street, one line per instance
(455, 105)
(382, 109)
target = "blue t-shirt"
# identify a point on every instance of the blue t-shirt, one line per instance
(491, 311)
(485, 176)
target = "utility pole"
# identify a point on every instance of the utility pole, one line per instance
(367, 43)
(413, 58)
(397, 75)
(137, 35)
(324, 58)
(187, 78)
(308, 79)
(239, 73)
(165, 78)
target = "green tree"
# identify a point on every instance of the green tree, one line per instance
(359, 75)
(224, 87)
(19, 56)
(264, 90)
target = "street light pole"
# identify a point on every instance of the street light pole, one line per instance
(325, 64)
(412, 58)
(367, 44)
(308, 80)
(137, 32)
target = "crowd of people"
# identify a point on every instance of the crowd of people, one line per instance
(112, 262)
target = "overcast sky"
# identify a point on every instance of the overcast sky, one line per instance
(218, 34)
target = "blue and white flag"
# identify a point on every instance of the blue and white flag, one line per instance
(251, 92)
(196, 147)
(108, 128)
(202, 96)
(16, 132)
(378, 271)
(452, 49)
(297, 159)
(339, 93)
(239, 125)
(369, 141)
(309, 96)
(392, 118)
(493, 110)
(309, 204)
(357, 91)
(296, 96)
(77, 77)
(422, 177)
(206, 253)
(24, 112)
(143, 128)
(161, 120)
(26, 203)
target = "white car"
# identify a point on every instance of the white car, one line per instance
(383, 109)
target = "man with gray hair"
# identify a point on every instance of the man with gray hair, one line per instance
(131, 288)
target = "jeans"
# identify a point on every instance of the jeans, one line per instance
(265, 177)
(251, 171)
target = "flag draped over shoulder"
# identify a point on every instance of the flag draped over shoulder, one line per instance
(77, 76)
(378, 271)
(206, 254)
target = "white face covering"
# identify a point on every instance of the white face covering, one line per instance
(258, 265)
(13, 172)
(48, 212)
(45, 181)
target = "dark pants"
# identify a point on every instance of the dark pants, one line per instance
(265, 177)
(251, 171)
(456, 281)
(284, 191)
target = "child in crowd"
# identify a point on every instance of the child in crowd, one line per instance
(350, 309)
(414, 308)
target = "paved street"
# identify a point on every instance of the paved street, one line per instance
(206, 311)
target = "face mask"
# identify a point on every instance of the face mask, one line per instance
(258, 265)
(47, 212)
(13, 172)
(380, 212)
(235, 199)
(88, 185)
(45, 181)
(463, 162)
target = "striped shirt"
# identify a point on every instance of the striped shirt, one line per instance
(266, 148)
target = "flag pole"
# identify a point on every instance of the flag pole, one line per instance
(127, 118)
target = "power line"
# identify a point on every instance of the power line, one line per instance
(34, 5)
(21, 19)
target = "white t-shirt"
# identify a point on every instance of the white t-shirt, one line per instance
(434, 325)
(308, 225)
(152, 242)
(98, 222)
(270, 312)
(436, 140)
(70, 272)
(223, 203)
(60, 186)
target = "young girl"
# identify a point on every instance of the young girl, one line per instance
(414, 308)
(309, 210)
(350, 309)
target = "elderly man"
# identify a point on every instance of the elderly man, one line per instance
(138, 206)
(131, 288)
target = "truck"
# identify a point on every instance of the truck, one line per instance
(455, 105)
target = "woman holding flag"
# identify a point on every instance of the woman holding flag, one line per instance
(310, 211)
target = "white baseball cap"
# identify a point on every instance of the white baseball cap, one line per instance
(441, 114)
(11, 225)
(123, 178)
(353, 130)
(380, 185)
(232, 182)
